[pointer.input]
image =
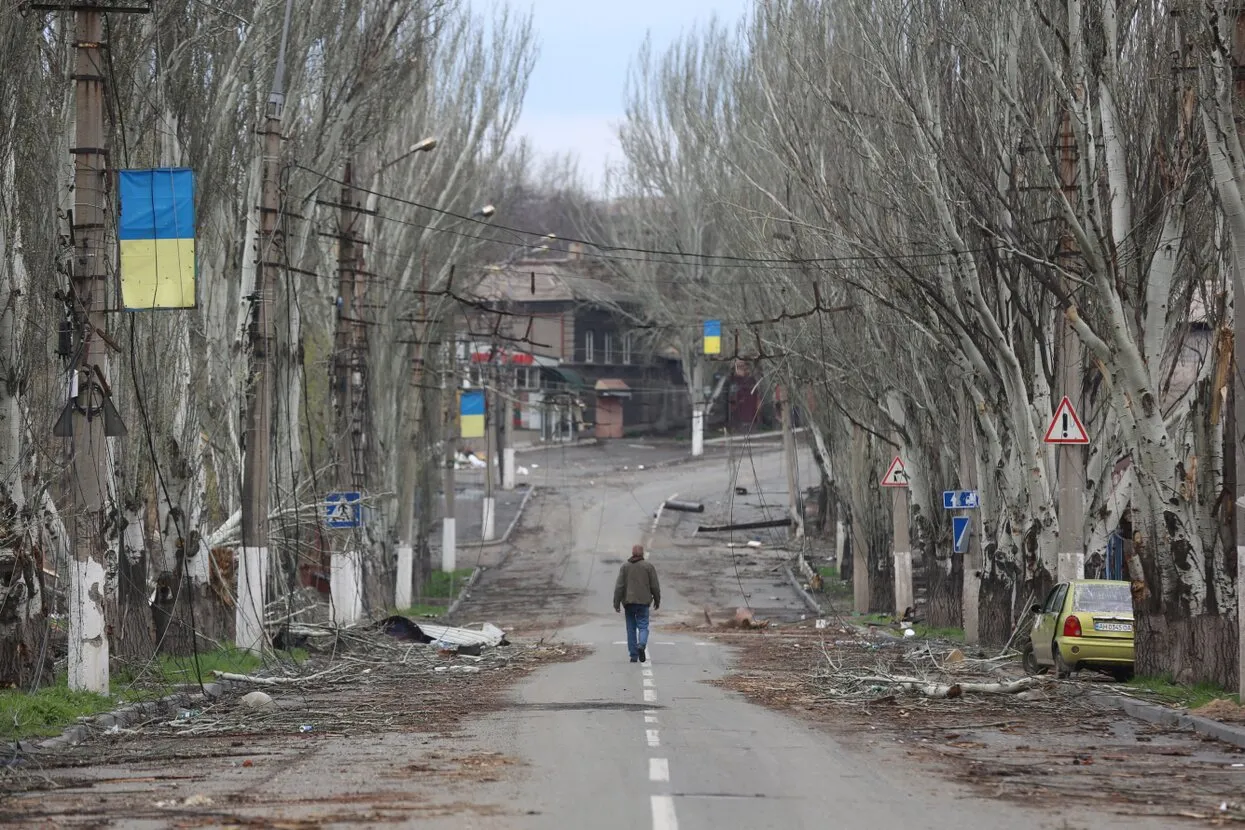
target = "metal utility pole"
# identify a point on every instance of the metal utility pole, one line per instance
(253, 565)
(1071, 457)
(88, 637)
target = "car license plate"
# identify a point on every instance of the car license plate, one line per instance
(1112, 626)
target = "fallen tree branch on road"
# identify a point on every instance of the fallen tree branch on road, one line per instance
(953, 690)
(271, 681)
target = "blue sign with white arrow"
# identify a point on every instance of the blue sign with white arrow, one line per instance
(960, 500)
(960, 526)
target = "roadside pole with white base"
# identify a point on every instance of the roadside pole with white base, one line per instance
(402, 587)
(346, 587)
(901, 548)
(249, 610)
(88, 648)
(1067, 431)
(711, 345)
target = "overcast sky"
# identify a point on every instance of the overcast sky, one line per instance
(586, 47)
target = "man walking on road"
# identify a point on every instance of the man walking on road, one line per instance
(637, 587)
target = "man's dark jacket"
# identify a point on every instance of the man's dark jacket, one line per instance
(637, 584)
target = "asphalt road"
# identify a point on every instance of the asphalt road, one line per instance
(609, 744)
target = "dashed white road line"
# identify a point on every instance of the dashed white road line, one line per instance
(651, 735)
(659, 770)
(648, 682)
(646, 672)
(663, 813)
(650, 695)
(650, 719)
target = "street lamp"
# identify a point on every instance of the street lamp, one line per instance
(426, 145)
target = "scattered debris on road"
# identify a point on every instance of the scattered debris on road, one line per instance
(1008, 735)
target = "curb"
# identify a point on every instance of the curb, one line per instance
(809, 602)
(688, 459)
(462, 595)
(1163, 716)
(587, 442)
(126, 716)
(531, 488)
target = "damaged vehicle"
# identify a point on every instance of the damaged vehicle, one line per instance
(1083, 624)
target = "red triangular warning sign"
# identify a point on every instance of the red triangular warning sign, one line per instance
(896, 474)
(1066, 427)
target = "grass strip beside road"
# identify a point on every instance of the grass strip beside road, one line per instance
(46, 712)
(1167, 691)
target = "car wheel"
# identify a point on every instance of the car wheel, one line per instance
(1029, 660)
(1062, 669)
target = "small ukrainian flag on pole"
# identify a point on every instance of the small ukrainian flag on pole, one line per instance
(713, 337)
(471, 413)
(157, 238)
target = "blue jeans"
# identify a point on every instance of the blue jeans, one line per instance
(637, 627)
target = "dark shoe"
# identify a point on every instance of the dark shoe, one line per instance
(635, 659)
(643, 656)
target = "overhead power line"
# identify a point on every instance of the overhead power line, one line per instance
(609, 251)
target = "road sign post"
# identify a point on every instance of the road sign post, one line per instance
(1068, 432)
(897, 478)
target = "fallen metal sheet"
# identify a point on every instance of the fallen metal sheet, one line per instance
(488, 635)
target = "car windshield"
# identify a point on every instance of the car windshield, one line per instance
(1111, 598)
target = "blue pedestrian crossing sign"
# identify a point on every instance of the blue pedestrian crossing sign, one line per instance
(960, 499)
(960, 531)
(343, 510)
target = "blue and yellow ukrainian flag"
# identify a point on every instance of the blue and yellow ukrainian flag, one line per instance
(471, 413)
(157, 236)
(713, 337)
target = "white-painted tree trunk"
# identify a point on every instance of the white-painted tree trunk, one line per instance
(346, 587)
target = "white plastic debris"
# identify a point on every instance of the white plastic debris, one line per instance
(908, 632)
(258, 700)
(523, 471)
(823, 623)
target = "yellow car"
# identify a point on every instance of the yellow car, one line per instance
(1084, 624)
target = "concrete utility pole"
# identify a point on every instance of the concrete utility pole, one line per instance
(1071, 457)
(971, 564)
(88, 637)
(507, 429)
(698, 409)
(346, 565)
(488, 518)
(449, 385)
(902, 551)
(410, 468)
(794, 502)
(253, 565)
